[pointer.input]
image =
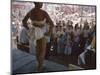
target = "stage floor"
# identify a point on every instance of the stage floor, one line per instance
(25, 63)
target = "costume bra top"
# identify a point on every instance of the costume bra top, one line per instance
(39, 22)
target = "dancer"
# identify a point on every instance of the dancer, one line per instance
(40, 19)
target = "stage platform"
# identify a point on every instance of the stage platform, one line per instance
(25, 63)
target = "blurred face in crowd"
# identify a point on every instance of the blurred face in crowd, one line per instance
(76, 26)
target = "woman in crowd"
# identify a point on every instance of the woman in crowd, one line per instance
(76, 40)
(85, 32)
(76, 43)
(60, 34)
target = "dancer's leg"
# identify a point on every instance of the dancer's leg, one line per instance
(40, 52)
